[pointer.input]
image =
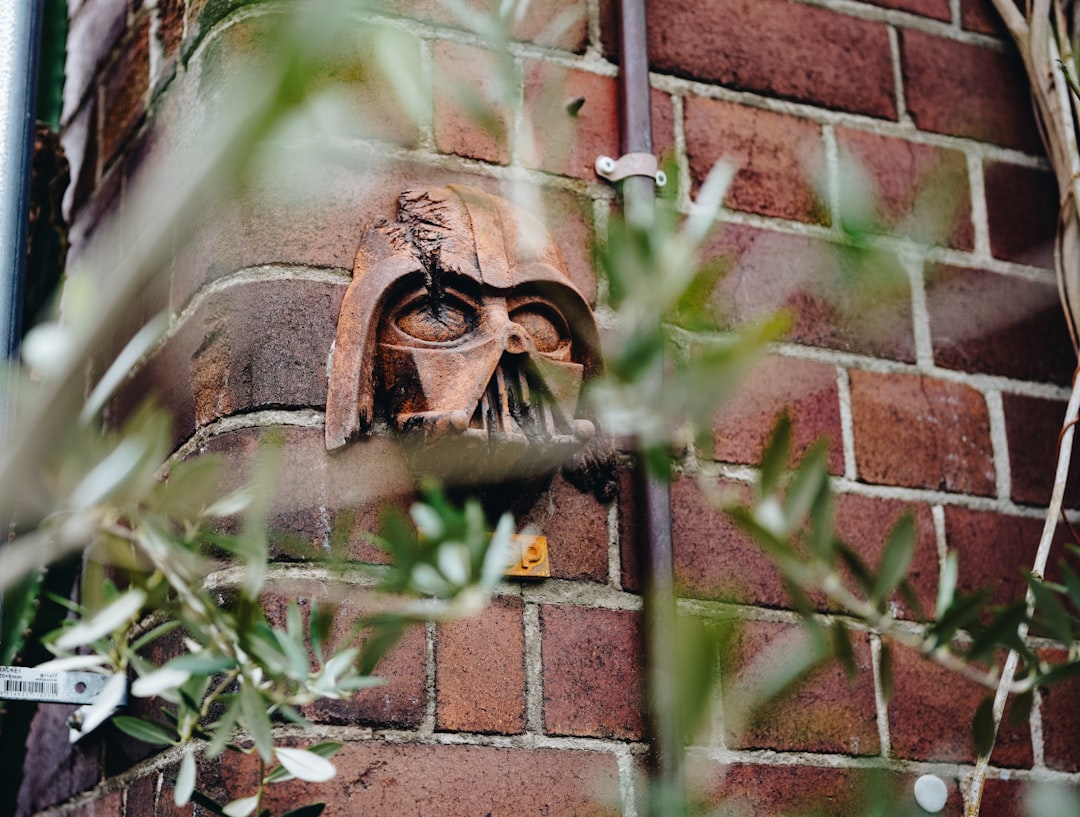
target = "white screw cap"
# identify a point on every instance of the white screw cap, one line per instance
(931, 793)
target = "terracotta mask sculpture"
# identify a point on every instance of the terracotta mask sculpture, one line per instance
(461, 324)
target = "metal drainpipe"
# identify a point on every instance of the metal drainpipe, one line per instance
(667, 791)
(20, 36)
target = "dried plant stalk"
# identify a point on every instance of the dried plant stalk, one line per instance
(1044, 38)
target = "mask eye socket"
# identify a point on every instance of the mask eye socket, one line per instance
(545, 326)
(436, 322)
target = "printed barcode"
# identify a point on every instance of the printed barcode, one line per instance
(31, 687)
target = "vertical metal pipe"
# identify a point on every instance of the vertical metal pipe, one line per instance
(20, 31)
(667, 791)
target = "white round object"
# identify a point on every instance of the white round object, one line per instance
(931, 793)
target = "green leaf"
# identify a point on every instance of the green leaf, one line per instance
(820, 537)
(963, 611)
(697, 653)
(207, 802)
(775, 457)
(806, 485)
(983, 729)
(1072, 584)
(384, 635)
(292, 646)
(257, 721)
(113, 616)
(241, 807)
(222, 730)
(305, 765)
(895, 561)
(185, 779)
(310, 810)
(1060, 672)
(856, 566)
(154, 634)
(17, 614)
(146, 731)
(1002, 631)
(203, 663)
(844, 651)
(950, 571)
(885, 666)
(1058, 621)
(190, 486)
(325, 749)
(1019, 710)
(319, 623)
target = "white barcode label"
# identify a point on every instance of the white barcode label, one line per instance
(23, 684)
(19, 688)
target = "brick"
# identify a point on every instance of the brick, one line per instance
(815, 282)
(713, 558)
(318, 498)
(480, 671)
(170, 26)
(1032, 426)
(126, 89)
(348, 66)
(777, 157)
(823, 713)
(85, 233)
(399, 702)
(986, 323)
(806, 389)
(252, 346)
(930, 715)
(864, 523)
(567, 140)
(81, 150)
(575, 524)
(995, 551)
(559, 24)
(981, 16)
(318, 220)
(967, 90)
(96, 26)
(262, 345)
(936, 9)
(915, 190)
(1057, 705)
(105, 805)
(919, 432)
(469, 118)
(70, 768)
(1022, 212)
(141, 796)
(1005, 798)
(592, 676)
(762, 790)
(797, 52)
(406, 780)
(663, 126)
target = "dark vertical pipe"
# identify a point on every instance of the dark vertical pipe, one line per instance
(20, 32)
(667, 792)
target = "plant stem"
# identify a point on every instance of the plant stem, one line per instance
(1042, 555)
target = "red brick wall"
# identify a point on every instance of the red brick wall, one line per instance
(939, 380)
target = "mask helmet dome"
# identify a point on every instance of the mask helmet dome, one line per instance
(472, 234)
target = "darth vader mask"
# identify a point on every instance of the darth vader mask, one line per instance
(462, 324)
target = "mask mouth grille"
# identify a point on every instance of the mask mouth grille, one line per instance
(515, 405)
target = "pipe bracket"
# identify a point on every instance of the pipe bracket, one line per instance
(631, 164)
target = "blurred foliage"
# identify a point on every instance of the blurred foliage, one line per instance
(791, 517)
(154, 529)
(660, 291)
